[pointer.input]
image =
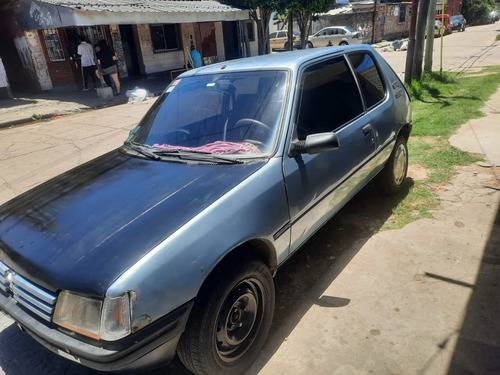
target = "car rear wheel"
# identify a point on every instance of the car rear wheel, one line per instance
(309, 45)
(391, 179)
(230, 321)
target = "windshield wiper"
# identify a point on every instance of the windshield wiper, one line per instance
(198, 155)
(143, 150)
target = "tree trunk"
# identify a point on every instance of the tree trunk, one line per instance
(429, 44)
(411, 42)
(419, 40)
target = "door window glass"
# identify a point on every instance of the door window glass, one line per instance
(368, 77)
(329, 98)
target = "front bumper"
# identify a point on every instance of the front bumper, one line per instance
(152, 345)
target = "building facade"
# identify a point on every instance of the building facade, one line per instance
(39, 39)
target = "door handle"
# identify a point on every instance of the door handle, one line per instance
(367, 129)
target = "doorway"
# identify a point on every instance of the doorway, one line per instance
(130, 50)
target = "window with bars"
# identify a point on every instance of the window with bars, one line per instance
(402, 13)
(54, 46)
(165, 37)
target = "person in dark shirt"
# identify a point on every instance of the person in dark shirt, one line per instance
(106, 61)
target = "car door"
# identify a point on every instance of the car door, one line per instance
(318, 185)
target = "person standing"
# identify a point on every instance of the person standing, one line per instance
(195, 56)
(86, 53)
(107, 63)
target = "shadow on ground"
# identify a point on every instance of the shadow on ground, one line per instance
(478, 346)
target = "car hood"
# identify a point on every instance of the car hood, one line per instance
(82, 229)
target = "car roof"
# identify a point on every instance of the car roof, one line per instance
(275, 61)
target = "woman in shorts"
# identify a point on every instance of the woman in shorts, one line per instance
(106, 61)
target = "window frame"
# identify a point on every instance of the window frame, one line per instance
(299, 101)
(158, 49)
(51, 42)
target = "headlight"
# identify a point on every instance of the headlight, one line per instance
(101, 320)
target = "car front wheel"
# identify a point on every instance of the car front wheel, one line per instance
(229, 322)
(391, 179)
(309, 45)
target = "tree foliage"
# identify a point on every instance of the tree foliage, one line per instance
(477, 10)
(260, 12)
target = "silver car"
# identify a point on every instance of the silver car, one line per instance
(334, 35)
(169, 244)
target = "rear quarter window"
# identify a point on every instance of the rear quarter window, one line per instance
(368, 77)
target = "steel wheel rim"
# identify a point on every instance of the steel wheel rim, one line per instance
(400, 164)
(239, 320)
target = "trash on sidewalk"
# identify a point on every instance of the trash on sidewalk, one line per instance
(397, 45)
(137, 95)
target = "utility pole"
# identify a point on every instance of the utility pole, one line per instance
(411, 42)
(290, 31)
(373, 20)
(429, 44)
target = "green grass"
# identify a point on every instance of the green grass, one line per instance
(441, 104)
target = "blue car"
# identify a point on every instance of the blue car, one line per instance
(169, 244)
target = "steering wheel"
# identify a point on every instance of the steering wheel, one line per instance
(252, 121)
(180, 135)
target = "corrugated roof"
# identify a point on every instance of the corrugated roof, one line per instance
(169, 6)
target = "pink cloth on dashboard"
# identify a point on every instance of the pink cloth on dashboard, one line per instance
(219, 147)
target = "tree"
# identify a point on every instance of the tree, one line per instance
(477, 10)
(304, 12)
(260, 12)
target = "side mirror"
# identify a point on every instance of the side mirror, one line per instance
(315, 144)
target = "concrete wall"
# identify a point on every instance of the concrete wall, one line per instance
(387, 25)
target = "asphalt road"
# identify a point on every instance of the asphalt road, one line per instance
(337, 278)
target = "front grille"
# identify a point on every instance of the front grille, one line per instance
(38, 300)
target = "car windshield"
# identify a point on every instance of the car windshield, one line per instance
(455, 18)
(231, 114)
(349, 29)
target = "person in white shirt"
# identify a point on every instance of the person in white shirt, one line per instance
(86, 53)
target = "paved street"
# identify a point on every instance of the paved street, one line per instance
(420, 300)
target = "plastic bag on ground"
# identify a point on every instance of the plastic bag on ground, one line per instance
(136, 95)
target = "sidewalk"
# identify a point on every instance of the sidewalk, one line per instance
(66, 102)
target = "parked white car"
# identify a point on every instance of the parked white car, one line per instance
(334, 35)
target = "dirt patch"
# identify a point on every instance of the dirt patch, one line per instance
(417, 172)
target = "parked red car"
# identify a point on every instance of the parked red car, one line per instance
(447, 25)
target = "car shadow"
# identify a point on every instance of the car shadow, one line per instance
(302, 280)
(299, 284)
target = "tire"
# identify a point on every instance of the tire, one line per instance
(391, 179)
(287, 46)
(343, 43)
(309, 45)
(229, 322)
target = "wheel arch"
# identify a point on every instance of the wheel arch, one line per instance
(253, 249)
(405, 131)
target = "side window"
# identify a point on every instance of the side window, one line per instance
(368, 77)
(272, 35)
(329, 98)
(281, 34)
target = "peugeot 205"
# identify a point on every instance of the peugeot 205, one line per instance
(169, 244)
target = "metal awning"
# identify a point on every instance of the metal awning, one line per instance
(46, 14)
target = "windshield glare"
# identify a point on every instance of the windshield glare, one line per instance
(234, 113)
